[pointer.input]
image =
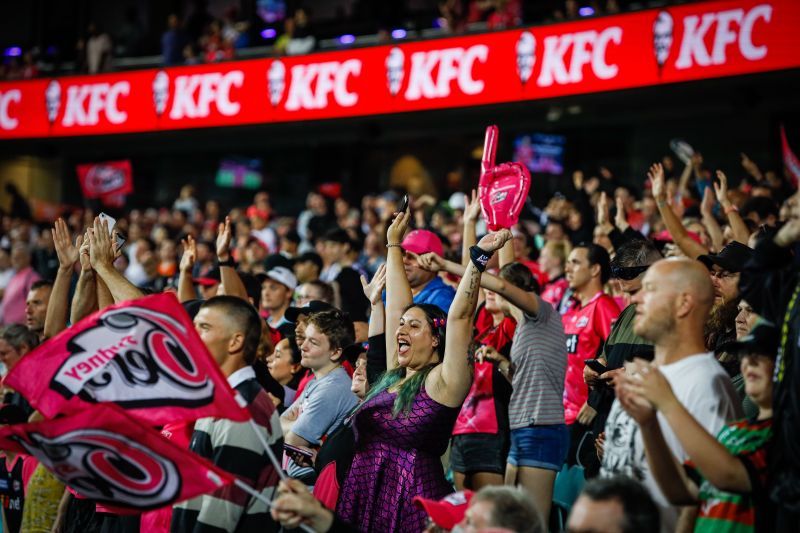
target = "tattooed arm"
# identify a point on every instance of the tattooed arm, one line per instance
(449, 382)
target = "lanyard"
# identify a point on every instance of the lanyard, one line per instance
(780, 367)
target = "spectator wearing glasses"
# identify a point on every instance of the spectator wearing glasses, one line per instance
(725, 268)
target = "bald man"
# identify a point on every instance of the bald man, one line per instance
(671, 309)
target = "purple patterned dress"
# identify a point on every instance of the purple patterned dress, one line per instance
(395, 460)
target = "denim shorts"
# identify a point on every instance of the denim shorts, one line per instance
(539, 446)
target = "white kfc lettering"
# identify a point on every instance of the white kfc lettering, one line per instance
(455, 64)
(85, 103)
(588, 48)
(695, 28)
(331, 79)
(195, 93)
(7, 122)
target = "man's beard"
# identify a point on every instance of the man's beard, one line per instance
(721, 321)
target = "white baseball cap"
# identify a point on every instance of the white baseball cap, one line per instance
(283, 276)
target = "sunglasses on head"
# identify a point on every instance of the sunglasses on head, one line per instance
(627, 273)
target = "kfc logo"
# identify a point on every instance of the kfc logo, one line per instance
(195, 93)
(13, 96)
(134, 357)
(85, 103)
(662, 37)
(454, 64)
(276, 82)
(312, 85)
(160, 92)
(526, 55)
(395, 70)
(732, 27)
(52, 100)
(120, 470)
(586, 47)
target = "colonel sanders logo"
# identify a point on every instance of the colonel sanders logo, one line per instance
(107, 467)
(526, 55)
(52, 100)
(134, 357)
(276, 80)
(160, 92)
(395, 70)
(662, 37)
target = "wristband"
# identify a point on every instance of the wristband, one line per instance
(479, 257)
(731, 208)
(393, 245)
(227, 263)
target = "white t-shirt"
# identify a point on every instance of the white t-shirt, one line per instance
(705, 390)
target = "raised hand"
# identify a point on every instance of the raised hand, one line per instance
(189, 254)
(224, 236)
(101, 252)
(397, 229)
(657, 182)
(373, 290)
(620, 220)
(431, 262)
(707, 205)
(472, 208)
(67, 252)
(86, 264)
(721, 189)
(495, 240)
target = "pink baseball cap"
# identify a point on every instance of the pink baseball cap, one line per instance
(422, 241)
(448, 511)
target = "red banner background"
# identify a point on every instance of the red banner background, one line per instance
(696, 41)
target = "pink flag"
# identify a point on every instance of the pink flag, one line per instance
(142, 355)
(790, 160)
(109, 457)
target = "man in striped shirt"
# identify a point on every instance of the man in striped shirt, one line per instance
(231, 329)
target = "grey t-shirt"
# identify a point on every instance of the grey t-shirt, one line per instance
(539, 355)
(321, 407)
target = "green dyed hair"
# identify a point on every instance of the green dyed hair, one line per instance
(409, 390)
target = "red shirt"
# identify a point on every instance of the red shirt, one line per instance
(586, 328)
(488, 335)
(554, 291)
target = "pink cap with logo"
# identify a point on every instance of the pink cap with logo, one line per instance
(422, 241)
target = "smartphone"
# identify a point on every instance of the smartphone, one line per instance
(294, 450)
(403, 205)
(111, 221)
(596, 365)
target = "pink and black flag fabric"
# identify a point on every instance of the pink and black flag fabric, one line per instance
(790, 160)
(115, 460)
(142, 355)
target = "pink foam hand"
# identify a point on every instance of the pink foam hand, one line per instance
(503, 188)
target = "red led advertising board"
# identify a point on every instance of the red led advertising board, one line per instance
(646, 48)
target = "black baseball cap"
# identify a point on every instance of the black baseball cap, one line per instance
(731, 258)
(762, 340)
(211, 278)
(314, 306)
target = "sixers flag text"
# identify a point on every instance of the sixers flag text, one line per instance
(143, 355)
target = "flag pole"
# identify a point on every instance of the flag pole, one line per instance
(272, 459)
(255, 494)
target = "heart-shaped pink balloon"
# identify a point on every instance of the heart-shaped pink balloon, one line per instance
(502, 188)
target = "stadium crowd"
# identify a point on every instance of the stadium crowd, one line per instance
(621, 360)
